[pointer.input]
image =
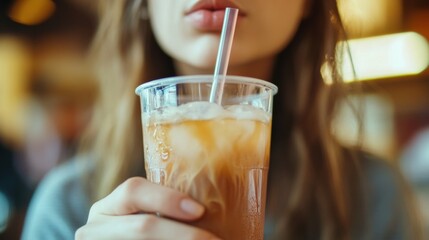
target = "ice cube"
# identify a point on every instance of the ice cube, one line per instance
(200, 110)
(185, 144)
(248, 112)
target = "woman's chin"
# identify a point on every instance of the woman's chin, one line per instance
(195, 66)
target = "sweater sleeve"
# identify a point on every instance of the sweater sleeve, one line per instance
(59, 206)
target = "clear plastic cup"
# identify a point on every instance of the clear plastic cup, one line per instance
(218, 154)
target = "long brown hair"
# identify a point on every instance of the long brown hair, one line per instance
(315, 202)
(311, 184)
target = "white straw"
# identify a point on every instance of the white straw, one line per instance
(223, 54)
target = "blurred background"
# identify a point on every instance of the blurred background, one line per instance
(46, 95)
(47, 90)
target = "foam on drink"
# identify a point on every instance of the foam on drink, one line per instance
(217, 155)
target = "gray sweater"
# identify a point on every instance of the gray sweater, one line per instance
(60, 206)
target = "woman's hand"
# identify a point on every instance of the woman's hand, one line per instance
(128, 213)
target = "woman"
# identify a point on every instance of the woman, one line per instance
(317, 189)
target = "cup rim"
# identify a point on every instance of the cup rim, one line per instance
(204, 79)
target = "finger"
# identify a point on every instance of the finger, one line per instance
(139, 195)
(141, 226)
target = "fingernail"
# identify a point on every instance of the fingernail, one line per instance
(191, 207)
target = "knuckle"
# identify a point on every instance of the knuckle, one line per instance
(80, 234)
(129, 189)
(94, 208)
(132, 184)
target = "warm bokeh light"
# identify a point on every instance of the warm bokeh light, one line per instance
(15, 67)
(31, 12)
(384, 56)
(364, 18)
(377, 132)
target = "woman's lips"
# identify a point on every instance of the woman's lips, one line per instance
(206, 20)
(208, 15)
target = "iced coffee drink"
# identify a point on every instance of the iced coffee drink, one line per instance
(217, 154)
